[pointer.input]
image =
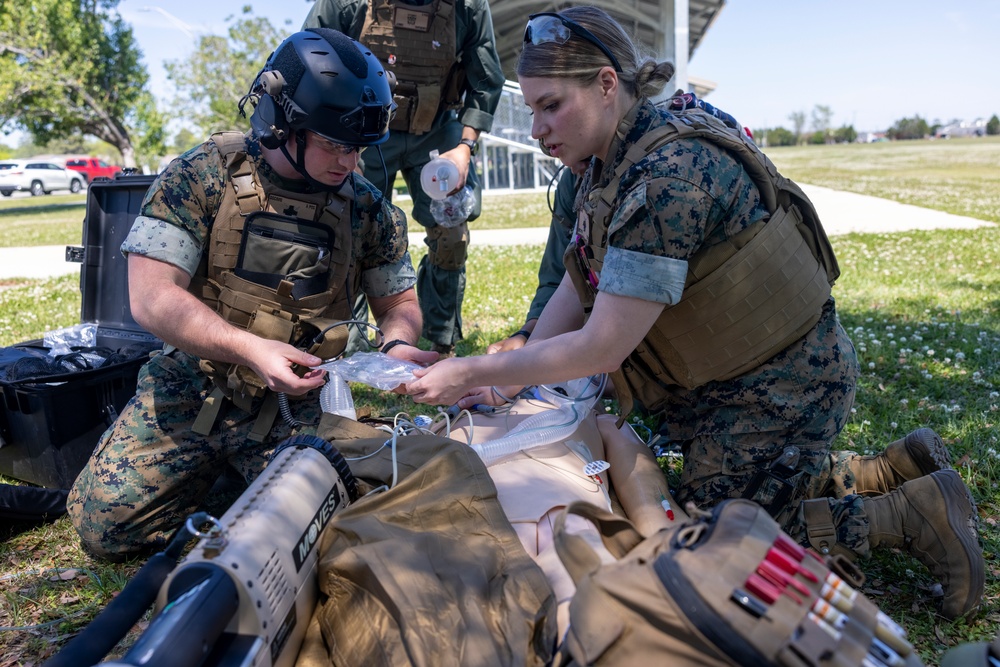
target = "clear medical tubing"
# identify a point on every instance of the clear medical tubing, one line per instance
(335, 397)
(545, 427)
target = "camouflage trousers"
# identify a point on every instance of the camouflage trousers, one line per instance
(833, 481)
(150, 471)
(734, 435)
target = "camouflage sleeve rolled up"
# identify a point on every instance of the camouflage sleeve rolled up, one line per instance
(381, 243)
(177, 213)
(688, 195)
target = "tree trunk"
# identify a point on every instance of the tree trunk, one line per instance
(128, 156)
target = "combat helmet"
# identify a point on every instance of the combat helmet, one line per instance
(323, 81)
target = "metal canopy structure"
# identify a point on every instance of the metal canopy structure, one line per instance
(666, 29)
(651, 22)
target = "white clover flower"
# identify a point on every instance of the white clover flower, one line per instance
(904, 401)
(871, 365)
(854, 411)
(994, 394)
(960, 356)
(893, 425)
(866, 423)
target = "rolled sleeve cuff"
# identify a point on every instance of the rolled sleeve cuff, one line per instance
(162, 241)
(389, 279)
(642, 276)
(476, 119)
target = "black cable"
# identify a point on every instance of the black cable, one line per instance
(552, 186)
(107, 629)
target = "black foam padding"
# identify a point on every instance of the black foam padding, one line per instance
(347, 49)
(287, 61)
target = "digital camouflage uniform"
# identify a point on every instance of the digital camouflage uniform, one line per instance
(551, 270)
(441, 274)
(688, 194)
(150, 470)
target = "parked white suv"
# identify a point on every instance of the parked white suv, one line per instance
(37, 177)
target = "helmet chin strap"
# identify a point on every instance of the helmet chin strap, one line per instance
(299, 163)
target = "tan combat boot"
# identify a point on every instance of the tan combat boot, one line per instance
(919, 453)
(934, 519)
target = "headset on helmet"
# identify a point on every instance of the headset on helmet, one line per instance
(323, 81)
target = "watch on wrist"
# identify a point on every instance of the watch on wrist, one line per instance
(472, 144)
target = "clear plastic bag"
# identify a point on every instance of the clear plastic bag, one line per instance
(62, 341)
(373, 369)
(454, 209)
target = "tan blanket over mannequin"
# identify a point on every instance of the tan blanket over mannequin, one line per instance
(429, 574)
(531, 489)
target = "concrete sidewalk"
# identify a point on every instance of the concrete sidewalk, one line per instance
(841, 213)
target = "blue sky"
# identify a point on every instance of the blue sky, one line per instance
(872, 62)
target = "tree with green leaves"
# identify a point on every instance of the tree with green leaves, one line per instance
(909, 128)
(845, 134)
(780, 136)
(211, 81)
(73, 67)
(798, 119)
(821, 117)
(993, 125)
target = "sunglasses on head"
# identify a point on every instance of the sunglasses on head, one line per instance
(545, 27)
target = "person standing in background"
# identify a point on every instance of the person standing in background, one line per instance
(551, 268)
(448, 83)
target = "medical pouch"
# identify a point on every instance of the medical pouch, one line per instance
(277, 249)
(727, 589)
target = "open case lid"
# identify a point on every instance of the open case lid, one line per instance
(112, 206)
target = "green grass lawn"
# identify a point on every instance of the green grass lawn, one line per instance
(960, 176)
(923, 309)
(50, 220)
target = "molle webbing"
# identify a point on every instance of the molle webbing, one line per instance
(745, 300)
(417, 44)
(721, 330)
(271, 313)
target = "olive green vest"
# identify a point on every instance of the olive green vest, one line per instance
(744, 300)
(417, 44)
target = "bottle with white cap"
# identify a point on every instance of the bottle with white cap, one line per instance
(438, 179)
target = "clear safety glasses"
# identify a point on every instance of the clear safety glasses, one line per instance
(343, 149)
(335, 148)
(545, 27)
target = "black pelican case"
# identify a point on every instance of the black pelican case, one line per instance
(50, 423)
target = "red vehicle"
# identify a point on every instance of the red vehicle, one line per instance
(92, 168)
